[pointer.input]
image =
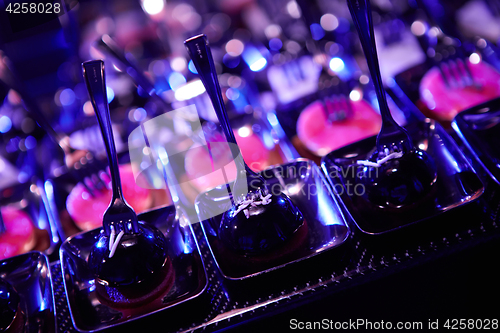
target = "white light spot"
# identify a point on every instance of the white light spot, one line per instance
(235, 47)
(272, 31)
(178, 64)
(474, 58)
(418, 28)
(189, 90)
(153, 7)
(258, 65)
(244, 131)
(355, 95)
(364, 79)
(329, 22)
(293, 9)
(88, 109)
(337, 64)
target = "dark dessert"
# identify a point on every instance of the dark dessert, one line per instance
(131, 269)
(261, 225)
(11, 316)
(398, 179)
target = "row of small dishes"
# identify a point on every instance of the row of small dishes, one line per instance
(79, 198)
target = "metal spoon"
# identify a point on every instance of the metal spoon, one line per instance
(127, 251)
(258, 221)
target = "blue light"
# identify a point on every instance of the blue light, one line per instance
(258, 65)
(337, 64)
(67, 97)
(175, 80)
(254, 59)
(317, 31)
(30, 142)
(110, 93)
(191, 67)
(232, 94)
(5, 124)
(230, 61)
(275, 44)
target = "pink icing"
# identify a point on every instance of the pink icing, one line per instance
(321, 136)
(19, 232)
(205, 173)
(445, 103)
(87, 211)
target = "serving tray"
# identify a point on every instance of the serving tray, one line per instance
(189, 289)
(30, 275)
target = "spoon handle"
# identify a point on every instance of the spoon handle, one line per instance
(93, 72)
(2, 224)
(361, 13)
(200, 53)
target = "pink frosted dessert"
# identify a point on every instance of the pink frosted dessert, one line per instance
(205, 172)
(87, 211)
(321, 136)
(444, 102)
(19, 235)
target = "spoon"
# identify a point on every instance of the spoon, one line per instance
(126, 251)
(258, 221)
(2, 224)
(405, 174)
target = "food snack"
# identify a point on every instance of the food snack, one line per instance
(445, 100)
(261, 229)
(87, 210)
(19, 236)
(321, 135)
(397, 180)
(203, 165)
(131, 269)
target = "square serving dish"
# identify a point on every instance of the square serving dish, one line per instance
(29, 274)
(479, 129)
(407, 83)
(308, 189)
(188, 294)
(288, 115)
(456, 184)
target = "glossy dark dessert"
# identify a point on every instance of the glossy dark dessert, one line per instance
(262, 226)
(11, 317)
(401, 181)
(137, 272)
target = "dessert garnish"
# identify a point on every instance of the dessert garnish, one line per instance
(388, 156)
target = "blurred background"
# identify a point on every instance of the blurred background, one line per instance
(275, 58)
